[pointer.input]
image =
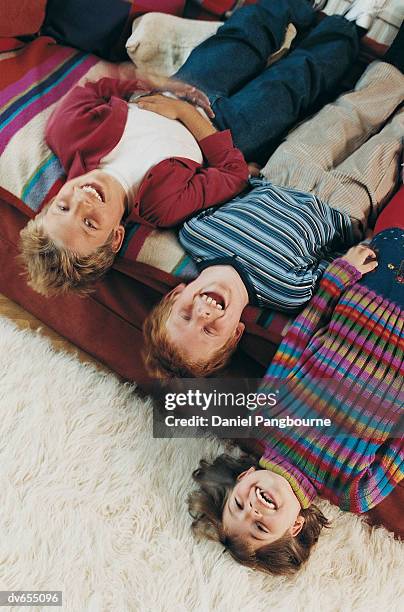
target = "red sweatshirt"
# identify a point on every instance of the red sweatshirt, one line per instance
(89, 123)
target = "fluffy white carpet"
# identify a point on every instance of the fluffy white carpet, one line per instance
(93, 506)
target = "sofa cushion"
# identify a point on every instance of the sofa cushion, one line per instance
(21, 17)
(100, 26)
(96, 26)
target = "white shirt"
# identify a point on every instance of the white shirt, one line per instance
(148, 139)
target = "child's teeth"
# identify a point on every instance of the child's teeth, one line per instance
(211, 301)
(90, 189)
(263, 497)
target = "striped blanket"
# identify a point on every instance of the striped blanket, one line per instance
(32, 80)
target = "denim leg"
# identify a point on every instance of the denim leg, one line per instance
(260, 113)
(240, 48)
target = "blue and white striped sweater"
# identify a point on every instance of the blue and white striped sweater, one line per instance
(282, 240)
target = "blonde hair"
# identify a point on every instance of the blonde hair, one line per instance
(163, 360)
(216, 480)
(52, 269)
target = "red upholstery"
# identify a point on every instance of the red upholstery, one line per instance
(393, 214)
(21, 17)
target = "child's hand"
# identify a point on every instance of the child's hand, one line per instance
(182, 90)
(190, 94)
(254, 169)
(362, 258)
(167, 107)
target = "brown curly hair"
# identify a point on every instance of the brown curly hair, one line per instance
(216, 480)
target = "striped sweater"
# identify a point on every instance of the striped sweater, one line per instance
(342, 359)
(280, 240)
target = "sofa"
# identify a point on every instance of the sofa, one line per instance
(35, 72)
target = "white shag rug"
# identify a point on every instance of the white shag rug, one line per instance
(92, 505)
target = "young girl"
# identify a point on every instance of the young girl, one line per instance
(342, 359)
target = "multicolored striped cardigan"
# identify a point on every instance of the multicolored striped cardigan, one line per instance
(342, 359)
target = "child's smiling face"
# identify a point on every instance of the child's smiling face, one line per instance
(86, 212)
(261, 508)
(206, 313)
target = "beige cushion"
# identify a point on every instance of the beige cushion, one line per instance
(161, 43)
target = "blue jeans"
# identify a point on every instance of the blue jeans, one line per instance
(259, 104)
